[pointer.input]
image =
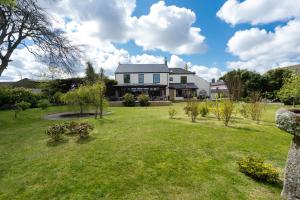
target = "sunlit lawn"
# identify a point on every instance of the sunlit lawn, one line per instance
(138, 153)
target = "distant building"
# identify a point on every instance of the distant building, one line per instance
(217, 89)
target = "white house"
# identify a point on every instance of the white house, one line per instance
(159, 82)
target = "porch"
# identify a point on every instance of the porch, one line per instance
(179, 91)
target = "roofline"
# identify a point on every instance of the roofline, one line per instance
(140, 72)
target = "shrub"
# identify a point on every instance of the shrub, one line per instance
(172, 113)
(256, 109)
(55, 132)
(143, 100)
(44, 104)
(258, 169)
(83, 130)
(71, 128)
(128, 99)
(215, 108)
(203, 109)
(56, 99)
(23, 105)
(226, 111)
(244, 110)
(22, 94)
(192, 110)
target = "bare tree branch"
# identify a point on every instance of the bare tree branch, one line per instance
(26, 23)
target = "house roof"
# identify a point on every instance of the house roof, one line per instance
(179, 71)
(142, 68)
(182, 86)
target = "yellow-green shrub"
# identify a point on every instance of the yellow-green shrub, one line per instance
(257, 169)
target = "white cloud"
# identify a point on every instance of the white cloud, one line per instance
(260, 50)
(208, 73)
(258, 11)
(168, 28)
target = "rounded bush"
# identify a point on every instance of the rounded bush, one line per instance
(128, 99)
(44, 103)
(144, 100)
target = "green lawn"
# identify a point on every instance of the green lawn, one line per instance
(138, 153)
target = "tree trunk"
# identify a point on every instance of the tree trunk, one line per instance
(96, 112)
(101, 107)
(3, 67)
(294, 103)
(81, 109)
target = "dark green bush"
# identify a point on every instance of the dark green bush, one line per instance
(258, 169)
(55, 131)
(71, 128)
(43, 104)
(23, 105)
(83, 130)
(128, 99)
(143, 100)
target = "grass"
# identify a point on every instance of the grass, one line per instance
(138, 153)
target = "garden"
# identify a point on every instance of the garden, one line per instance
(140, 153)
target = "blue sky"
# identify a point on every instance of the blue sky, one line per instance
(211, 36)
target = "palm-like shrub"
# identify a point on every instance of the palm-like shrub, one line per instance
(172, 113)
(192, 110)
(203, 109)
(226, 111)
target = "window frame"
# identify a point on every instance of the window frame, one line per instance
(155, 78)
(141, 77)
(125, 79)
(181, 79)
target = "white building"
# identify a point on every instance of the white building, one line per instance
(159, 82)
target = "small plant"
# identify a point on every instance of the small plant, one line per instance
(83, 130)
(256, 110)
(192, 110)
(226, 111)
(203, 109)
(43, 104)
(244, 110)
(20, 106)
(71, 128)
(258, 169)
(172, 113)
(143, 100)
(55, 132)
(128, 99)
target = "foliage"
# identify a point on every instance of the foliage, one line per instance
(20, 106)
(128, 99)
(80, 97)
(255, 110)
(44, 104)
(83, 130)
(55, 131)
(215, 107)
(172, 112)
(90, 75)
(290, 89)
(234, 82)
(203, 109)
(244, 109)
(97, 97)
(226, 110)
(56, 98)
(258, 169)
(8, 2)
(143, 100)
(192, 110)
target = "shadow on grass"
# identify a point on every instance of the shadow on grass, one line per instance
(243, 128)
(53, 143)
(104, 120)
(85, 140)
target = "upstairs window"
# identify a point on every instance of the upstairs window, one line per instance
(183, 80)
(171, 79)
(141, 78)
(156, 78)
(126, 78)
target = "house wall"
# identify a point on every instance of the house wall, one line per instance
(148, 78)
(192, 78)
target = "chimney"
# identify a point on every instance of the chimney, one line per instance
(166, 61)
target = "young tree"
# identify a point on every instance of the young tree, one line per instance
(97, 92)
(90, 74)
(226, 111)
(233, 80)
(290, 89)
(27, 23)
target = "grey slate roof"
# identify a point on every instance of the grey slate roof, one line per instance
(182, 86)
(179, 71)
(142, 68)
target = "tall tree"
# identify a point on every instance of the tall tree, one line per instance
(233, 80)
(90, 74)
(290, 89)
(27, 23)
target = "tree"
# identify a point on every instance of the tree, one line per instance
(27, 23)
(90, 74)
(274, 80)
(8, 2)
(97, 92)
(290, 89)
(186, 67)
(233, 80)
